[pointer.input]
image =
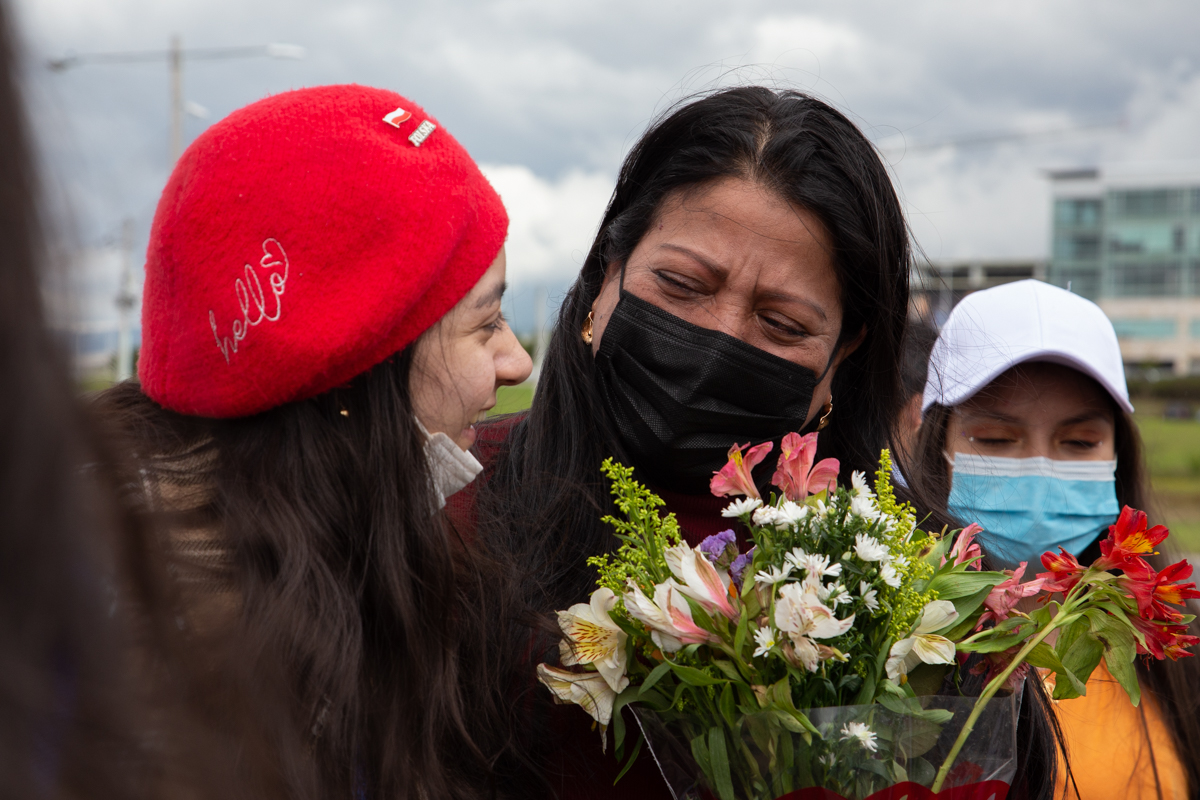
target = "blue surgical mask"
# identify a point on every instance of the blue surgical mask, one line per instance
(1028, 506)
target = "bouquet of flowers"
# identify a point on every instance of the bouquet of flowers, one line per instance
(812, 659)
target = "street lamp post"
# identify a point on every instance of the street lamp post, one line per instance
(175, 56)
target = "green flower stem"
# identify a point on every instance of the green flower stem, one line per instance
(990, 691)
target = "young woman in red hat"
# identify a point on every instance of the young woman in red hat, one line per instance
(321, 330)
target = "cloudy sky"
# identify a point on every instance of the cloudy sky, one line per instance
(550, 94)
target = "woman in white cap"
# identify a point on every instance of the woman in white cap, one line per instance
(1028, 431)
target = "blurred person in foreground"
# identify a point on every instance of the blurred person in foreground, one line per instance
(92, 703)
(322, 327)
(1028, 430)
(749, 279)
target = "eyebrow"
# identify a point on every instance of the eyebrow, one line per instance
(1086, 416)
(720, 272)
(493, 296)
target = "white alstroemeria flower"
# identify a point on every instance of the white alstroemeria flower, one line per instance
(773, 575)
(767, 515)
(739, 507)
(864, 507)
(765, 637)
(654, 614)
(802, 652)
(791, 514)
(890, 576)
(803, 618)
(860, 731)
(868, 548)
(817, 564)
(700, 580)
(588, 690)
(593, 638)
(924, 645)
(860, 487)
(869, 596)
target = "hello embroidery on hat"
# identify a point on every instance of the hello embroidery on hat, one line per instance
(250, 294)
(300, 241)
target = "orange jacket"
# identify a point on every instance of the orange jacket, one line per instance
(1115, 749)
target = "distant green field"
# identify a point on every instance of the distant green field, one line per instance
(1173, 456)
(512, 398)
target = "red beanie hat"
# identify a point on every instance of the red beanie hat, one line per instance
(301, 241)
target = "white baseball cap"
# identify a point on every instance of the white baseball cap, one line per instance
(992, 330)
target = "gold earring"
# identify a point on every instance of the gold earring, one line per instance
(586, 332)
(825, 417)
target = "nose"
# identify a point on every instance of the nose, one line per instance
(513, 364)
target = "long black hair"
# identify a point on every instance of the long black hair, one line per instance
(308, 550)
(1171, 683)
(544, 498)
(813, 156)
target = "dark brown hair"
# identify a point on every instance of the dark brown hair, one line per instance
(366, 628)
(1172, 683)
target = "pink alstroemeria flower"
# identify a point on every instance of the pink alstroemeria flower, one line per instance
(965, 547)
(796, 474)
(734, 478)
(1005, 595)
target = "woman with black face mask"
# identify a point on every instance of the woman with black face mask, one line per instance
(749, 279)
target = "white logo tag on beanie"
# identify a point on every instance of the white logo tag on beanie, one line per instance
(422, 133)
(398, 116)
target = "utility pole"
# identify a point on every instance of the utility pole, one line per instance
(175, 65)
(175, 56)
(125, 301)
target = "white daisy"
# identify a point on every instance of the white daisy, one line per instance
(791, 514)
(766, 640)
(773, 575)
(739, 507)
(890, 576)
(864, 507)
(767, 515)
(869, 596)
(868, 548)
(859, 483)
(865, 736)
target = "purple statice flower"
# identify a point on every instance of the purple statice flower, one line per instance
(720, 548)
(738, 568)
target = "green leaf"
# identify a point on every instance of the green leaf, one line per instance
(637, 748)
(743, 629)
(719, 762)
(693, 676)
(728, 705)
(1001, 639)
(728, 668)
(654, 677)
(967, 618)
(953, 585)
(701, 754)
(1080, 659)
(1119, 650)
(1044, 656)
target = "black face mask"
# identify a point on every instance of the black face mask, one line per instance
(680, 395)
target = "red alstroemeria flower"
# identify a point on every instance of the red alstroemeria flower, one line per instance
(1164, 640)
(1005, 595)
(1065, 571)
(734, 478)
(1129, 539)
(796, 474)
(1153, 591)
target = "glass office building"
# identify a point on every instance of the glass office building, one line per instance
(1130, 240)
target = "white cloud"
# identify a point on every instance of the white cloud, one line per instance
(551, 223)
